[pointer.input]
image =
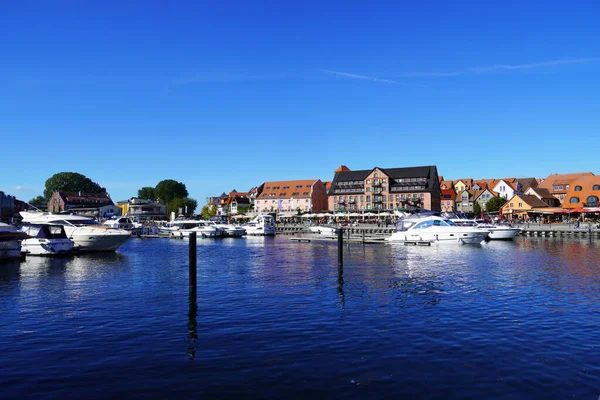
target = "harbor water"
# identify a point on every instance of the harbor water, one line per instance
(277, 319)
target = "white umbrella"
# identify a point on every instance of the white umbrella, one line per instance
(385, 214)
(369, 214)
(327, 215)
(354, 214)
(307, 215)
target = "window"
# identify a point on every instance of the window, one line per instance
(376, 175)
(286, 187)
(574, 200)
(511, 205)
(520, 205)
(596, 187)
(592, 201)
(578, 188)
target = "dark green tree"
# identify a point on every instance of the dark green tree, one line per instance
(209, 211)
(494, 204)
(170, 189)
(71, 182)
(146, 193)
(477, 209)
(39, 202)
(177, 203)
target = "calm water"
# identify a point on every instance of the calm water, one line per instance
(275, 320)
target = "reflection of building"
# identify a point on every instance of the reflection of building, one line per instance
(142, 209)
(299, 195)
(88, 204)
(385, 189)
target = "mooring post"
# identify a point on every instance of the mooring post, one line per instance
(192, 258)
(340, 247)
(363, 235)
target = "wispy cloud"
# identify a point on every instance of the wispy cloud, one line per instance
(363, 77)
(501, 67)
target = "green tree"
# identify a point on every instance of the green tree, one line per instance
(208, 211)
(71, 182)
(494, 204)
(39, 202)
(477, 209)
(146, 193)
(170, 189)
(176, 204)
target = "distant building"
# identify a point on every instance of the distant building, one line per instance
(559, 184)
(307, 195)
(142, 209)
(381, 189)
(97, 205)
(7, 207)
(233, 203)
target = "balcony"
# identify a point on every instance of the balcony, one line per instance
(377, 199)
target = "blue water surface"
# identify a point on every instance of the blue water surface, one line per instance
(278, 319)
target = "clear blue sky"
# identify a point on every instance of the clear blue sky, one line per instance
(224, 95)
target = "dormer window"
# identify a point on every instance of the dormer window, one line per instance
(578, 188)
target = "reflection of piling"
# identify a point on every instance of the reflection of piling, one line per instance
(340, 247)
(363, 235)
(193, 271)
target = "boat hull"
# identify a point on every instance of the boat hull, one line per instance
(503, 233)
(48, 247)
(456, 237)
(92, 242)
(323, 230)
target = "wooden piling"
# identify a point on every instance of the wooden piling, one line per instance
(192, 268)
(340, 247)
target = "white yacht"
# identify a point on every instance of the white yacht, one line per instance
(420, 229)
(496, 231)
(123, 222)
(87, 234)
(46, 240)
(206, 229)
(175, 227)
(231, 230)
(10, 241)
(261, 225)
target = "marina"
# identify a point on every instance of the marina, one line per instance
(273, 318)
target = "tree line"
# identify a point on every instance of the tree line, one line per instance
(169, 192)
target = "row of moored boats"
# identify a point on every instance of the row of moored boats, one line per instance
(48, 234)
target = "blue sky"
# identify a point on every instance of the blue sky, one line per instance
(226, 95)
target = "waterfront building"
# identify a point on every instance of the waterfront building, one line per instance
(461, 185)
(583, 192)
(506, 187)
(88, 204)
(447, 201)
(447, 185)
(544, 195)
(559, 184)
(306, 195)
(521, 206)
(482, 196)
(385, 189)
(465, 200)
(142, 209)
(236, 202)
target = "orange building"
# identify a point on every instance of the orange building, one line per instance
(559, 184)
(583, 192)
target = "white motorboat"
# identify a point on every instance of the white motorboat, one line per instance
(87, 234)
(10, 241)
(496, 231)
(323, 230)
(231, 230)
(46, 240)
(261, 225)
(124, 222)
(206, 229)
(178, 226)
(418, 229)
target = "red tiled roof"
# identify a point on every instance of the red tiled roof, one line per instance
(287, 189)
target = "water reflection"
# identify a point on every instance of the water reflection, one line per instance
(192, 326)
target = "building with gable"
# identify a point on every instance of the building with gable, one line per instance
(385, 189)
(307, 195)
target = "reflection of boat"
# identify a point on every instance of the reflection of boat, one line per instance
(261, 225)
(10, 241)
(426, 229)
(323, 230)
(87, 234)
(46, 240)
